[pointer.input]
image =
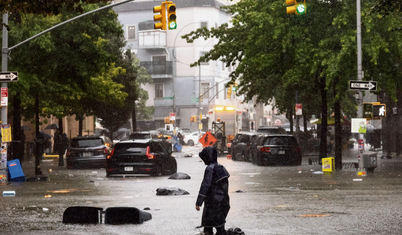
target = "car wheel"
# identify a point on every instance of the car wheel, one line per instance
(190, 143)
(157, 171)
(257, 160)
(174, 166)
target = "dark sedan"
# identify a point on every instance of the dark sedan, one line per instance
(87, 152)
(278, 149)
(137, 157)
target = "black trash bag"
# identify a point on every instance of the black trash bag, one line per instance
(234, 231)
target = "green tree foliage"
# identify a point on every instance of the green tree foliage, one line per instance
(53, 7)
(314, 54)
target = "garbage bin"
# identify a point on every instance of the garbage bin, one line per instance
(368, 161)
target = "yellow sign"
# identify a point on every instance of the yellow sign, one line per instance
(328, 164)
(6, 133)
(200, 116)
(200, 126)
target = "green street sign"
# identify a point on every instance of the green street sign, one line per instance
(168, 98)
(194, 100)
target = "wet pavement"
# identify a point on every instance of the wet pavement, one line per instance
(264, 199)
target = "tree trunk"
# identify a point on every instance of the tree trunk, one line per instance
(324, 117)
(305, 123)
(134, 120)
(338, 131)
(61, 154)
(399, 123)
(38, 154)
(80, 120)
(290, 117)
(17, 147)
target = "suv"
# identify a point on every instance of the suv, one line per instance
(241, 146)
(271, 130)
(140, 136)
(278, 149)
(90, 151)
(133, 157)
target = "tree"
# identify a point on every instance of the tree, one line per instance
(53, 7)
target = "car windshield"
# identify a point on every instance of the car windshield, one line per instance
(138, 148)
(279, 140)
(81, 143)
(140, 136)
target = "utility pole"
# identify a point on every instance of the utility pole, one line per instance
(199, 99)
(3, 163)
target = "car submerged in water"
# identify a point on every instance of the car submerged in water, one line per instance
(87, 152)
(278, 149)
(142, 156)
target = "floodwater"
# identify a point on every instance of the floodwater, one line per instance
(264, 200)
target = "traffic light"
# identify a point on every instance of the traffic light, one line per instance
(166, 120)
(229, 92)
(171, 16)
(161, 17)
(295, 7)
(200, 98)
(234, 87)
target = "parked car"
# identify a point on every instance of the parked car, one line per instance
(278, 149)
(146, 156)
(140, 135)
(241, 146)
(271, 130)
(193, 138)
(88, 152)
(185, 131)
(108, 142)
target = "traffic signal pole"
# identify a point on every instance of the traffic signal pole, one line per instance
(3, 157)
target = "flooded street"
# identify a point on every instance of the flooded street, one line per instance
(264, 200)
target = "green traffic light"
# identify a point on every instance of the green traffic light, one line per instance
(301, 9)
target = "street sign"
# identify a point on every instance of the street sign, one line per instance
(194, 100)
(363, 85)
(8, 76)
(172, 116)
(358, 125)
(299, 109)
(4, 96)
(207, 139)
(168, 98)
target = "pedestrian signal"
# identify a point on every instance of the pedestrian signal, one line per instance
(379, 111)
(193, 118)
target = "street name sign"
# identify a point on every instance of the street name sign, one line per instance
(8, 76)
(363, 85)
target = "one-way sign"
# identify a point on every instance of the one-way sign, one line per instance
(363, 85)
(8, 76)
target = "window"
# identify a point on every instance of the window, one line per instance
(131, 33)
(217, 90)
(202, 53)
(204, 24)
(160, 59)
(205, 90)
(158, 90)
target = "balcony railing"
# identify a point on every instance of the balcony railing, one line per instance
(157, 67)
(152, 39)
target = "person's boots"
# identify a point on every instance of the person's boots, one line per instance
(208, 231)
(221, 230)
